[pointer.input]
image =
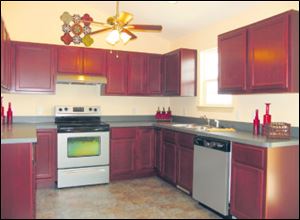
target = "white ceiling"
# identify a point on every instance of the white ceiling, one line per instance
(177, 19)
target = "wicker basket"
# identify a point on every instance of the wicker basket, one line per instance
(277, 130)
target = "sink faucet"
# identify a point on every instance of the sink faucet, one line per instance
(217, 123)
(203, 117)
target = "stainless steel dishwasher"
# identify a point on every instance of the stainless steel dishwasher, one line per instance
(211, 177)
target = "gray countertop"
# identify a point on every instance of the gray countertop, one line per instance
(22, 132)
(237, 136)
(26, 132)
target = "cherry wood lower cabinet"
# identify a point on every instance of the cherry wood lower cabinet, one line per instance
(177, 158)
(46, 159)
(158, 151)
(265, 182)
(131, 152)
(17, 181)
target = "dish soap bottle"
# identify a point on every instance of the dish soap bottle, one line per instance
(9, 114)
(256, 123)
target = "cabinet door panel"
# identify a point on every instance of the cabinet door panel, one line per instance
(69, 60)
(46, 158)
(268, 55)
(232, 62)
(94, 62)
(185, 167)
(136, 73)
(144, 153)
(172, 74)
(158, 151)
(247, 192)
(122, 157)
(116, 73)
(169, 170)
(39, 77)
(154, 74)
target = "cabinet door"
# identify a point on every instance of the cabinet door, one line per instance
(247, 192)
(158, 151)
(69, 60)
(17, 185)
(116, 73)
(122, 157)
(144, 151)
(269, 55)
(94, 62)
(136, 74)
(37, 77)
(172, 74)
(169, 169)
(185, 168)
(232, 62)
(46, 158)
(154, 74)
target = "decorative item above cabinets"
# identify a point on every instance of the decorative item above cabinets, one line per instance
(262, 57)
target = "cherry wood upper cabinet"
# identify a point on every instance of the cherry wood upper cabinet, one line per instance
(272, 61)
(136, 73)
(5, 58)
(77, 60)
(116, 73)
(154, 74)
(69, 60)
(180, 73)
(33, 67)
(232, 48)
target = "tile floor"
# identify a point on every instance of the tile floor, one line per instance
(149, 198)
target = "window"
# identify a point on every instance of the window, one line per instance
(209, 96)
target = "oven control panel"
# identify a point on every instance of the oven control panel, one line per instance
(77, 110)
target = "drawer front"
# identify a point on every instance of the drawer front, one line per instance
(123, 133)
(249, 155)
(186, 140)
(169, 136)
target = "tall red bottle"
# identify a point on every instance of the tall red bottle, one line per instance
(9, 114)
(256, 124)
(267, 116)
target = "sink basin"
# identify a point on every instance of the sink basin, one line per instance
(180, 125)
(204, 128)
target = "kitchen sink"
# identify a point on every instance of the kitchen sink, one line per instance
(203, 128)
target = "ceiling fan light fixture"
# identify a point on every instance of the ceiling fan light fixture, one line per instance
(113, 37)
(125, 37)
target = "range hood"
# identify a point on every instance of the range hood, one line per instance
(80, 79)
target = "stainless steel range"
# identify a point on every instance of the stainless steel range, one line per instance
(82, 146)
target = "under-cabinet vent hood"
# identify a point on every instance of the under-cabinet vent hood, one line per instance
(80, 79)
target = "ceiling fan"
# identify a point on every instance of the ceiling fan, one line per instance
(121, 27)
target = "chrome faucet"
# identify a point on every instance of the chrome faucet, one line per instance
(203, 117)
(217, 123)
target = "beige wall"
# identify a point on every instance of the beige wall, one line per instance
(284, 107)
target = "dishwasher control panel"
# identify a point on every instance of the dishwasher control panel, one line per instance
(213, 143)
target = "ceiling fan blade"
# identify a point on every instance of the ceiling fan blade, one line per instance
(99, 31)
(124, 18)
(133, 36)
(144, 27)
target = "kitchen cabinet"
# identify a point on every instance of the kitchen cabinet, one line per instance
(262, 57)
(185, 158)
(132, 153)
(178, 151)
(28, 77)
(77, 60)
(232, 48)
(180, 72)
(158, 165)
(46, 158)
(5, 58)
(154, 74)
(136, 73)
(260, 185)
(17, 181)
(117, 63)
(144, 151)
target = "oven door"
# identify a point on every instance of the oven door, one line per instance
(82, 149)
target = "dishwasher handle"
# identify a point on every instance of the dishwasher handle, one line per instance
(212, 143)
